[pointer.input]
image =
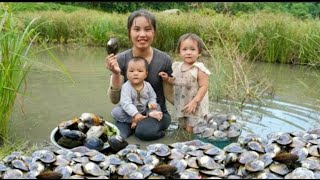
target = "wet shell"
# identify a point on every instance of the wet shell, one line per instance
(298, 142)
(159, 149)
(208, 163)
(66, 171)
(180, 164)
(49, 175)
(190, 174)
(134, 175)
(93, 169)
(207, 132)
(247, 157)
(146, 170)
(93, 143)
(220, 134)
(268, 175)
(45, 156)
(234, 147)
(199, 129)
(95, 131)
(69, 143)
(117, 143)
(272, 148)
(126, 168)
(112, 46)
(19, 164)
(256, 146)
(77, 169)
(151, 160)
(281, 169)
(212, 151)
(300, 173)
(192, 162)
(164, 169)
(133, 157)
(36, 166)
(231, 158)
(301, 152)
(177, 154)
(113, 159)
(196, 153)
(255, 165)
(284, 139)
(286, 158)
(12, 174)
(98, 157)
(90, 119)
(3, 167)
(314, 150)
(266, 158)
(312, 163)
(214, 172)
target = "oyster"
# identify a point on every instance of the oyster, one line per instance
(112, 46)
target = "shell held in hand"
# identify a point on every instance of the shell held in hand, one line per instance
(112, 46)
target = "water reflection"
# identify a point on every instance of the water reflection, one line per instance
(52, 98)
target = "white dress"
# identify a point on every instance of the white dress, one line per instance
(186, 87)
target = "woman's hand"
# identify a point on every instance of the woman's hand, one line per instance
(135, 119)
(112, 64)
(152, 106)
(156, 114)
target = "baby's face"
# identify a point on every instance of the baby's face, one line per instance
(136, 72)
(189, 51)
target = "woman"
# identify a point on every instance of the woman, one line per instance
(141, 31)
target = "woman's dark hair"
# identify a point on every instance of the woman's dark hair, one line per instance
(193, 37)
(139, 58)
(141, 12)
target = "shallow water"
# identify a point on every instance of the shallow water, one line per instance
(52, 98)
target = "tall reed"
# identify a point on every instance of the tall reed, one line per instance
(16, 48)
(14, 64)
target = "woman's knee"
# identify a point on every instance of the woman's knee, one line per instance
(149, 129)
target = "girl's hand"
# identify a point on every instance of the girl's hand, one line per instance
(112, 64)
(156, 114)
(190, 107)
(164, 76)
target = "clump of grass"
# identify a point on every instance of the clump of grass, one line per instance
(16, 50)
(14, 65)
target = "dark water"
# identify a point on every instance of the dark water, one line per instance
(52, 98)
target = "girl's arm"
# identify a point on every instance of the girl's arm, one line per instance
(203, 81)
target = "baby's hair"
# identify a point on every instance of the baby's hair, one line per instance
(193, 37)
(139, 58)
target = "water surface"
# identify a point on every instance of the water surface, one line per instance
(52, 98)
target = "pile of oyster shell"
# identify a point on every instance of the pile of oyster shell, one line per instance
(283, 155)
(218, 127)
(88, 130)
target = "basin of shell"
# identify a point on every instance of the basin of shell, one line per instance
(88, 130)
(219, 130)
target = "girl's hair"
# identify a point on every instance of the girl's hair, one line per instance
(141, 12)
(139, 58)
(193, 37)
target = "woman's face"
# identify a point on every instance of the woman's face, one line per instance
(141, 33)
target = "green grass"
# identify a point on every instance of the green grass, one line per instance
(42, 6)
(16, 59)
